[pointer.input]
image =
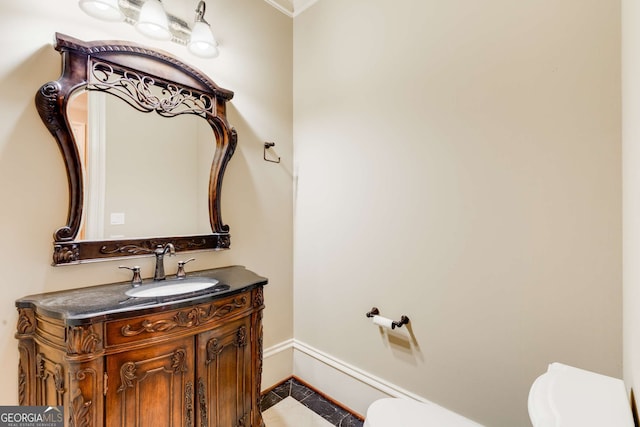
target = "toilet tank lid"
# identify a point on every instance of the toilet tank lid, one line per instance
(566, 396)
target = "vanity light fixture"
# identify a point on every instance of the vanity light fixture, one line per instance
(150, 18)
(202, 42)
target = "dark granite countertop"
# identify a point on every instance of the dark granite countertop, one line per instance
(98, 303)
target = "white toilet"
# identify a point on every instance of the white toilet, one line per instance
(395, 412)
(565, 396)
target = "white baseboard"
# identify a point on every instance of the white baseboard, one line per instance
(345, 383)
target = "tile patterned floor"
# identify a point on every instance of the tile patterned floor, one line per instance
(292, 404)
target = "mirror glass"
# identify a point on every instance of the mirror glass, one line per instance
(145, 175)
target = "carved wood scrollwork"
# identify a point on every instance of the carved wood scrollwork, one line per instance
(148, 246)
(46, 101)
(258, 380)
(213, 350)
(136, 89)
(57, 373)
(258, 299)
(186, 319)
(128, 370)
(179, 361)
(82, 340)
(241, 336)
(224, 240)
(26, 321)
(127, 376)
(80, 411)
(22, 384)
(149, 326)
(40, 370)
(58, 380)
(214, 347)
(202, 400)
(188, 403)
(65, 254)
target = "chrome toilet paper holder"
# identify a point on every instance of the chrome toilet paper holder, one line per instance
(395, 324)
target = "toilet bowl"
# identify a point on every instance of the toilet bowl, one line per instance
(395, 412)
(565, 396)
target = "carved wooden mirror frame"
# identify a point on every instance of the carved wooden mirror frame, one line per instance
(127, 70)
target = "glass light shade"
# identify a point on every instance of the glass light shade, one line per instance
(202, 43)
(106, 10)
(153, 21)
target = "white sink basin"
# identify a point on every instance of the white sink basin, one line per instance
(173, 287)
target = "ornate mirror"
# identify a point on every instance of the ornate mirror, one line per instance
(145, 141)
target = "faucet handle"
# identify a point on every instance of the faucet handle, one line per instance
(181, 273)
(136, 279)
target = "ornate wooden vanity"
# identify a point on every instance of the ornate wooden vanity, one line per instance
(115, 361)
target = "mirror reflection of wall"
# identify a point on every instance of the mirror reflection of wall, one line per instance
(145, 174)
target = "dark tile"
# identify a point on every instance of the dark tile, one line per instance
(300, 391)
(268, 400)
(324, 408)
(350, 421)
(284, 389)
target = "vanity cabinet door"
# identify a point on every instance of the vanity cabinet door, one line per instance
(152, 386)
(224, 375)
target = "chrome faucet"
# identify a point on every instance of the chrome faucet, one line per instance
(160, 252)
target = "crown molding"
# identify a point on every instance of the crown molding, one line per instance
(291, 8)
(300, 6)
(284, 6)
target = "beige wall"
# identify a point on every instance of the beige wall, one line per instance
(459, 162)
(631, 199)
(255, 62)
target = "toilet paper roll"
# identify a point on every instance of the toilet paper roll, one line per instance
(383, 322)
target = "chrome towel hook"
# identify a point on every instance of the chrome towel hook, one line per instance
(268, 145)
